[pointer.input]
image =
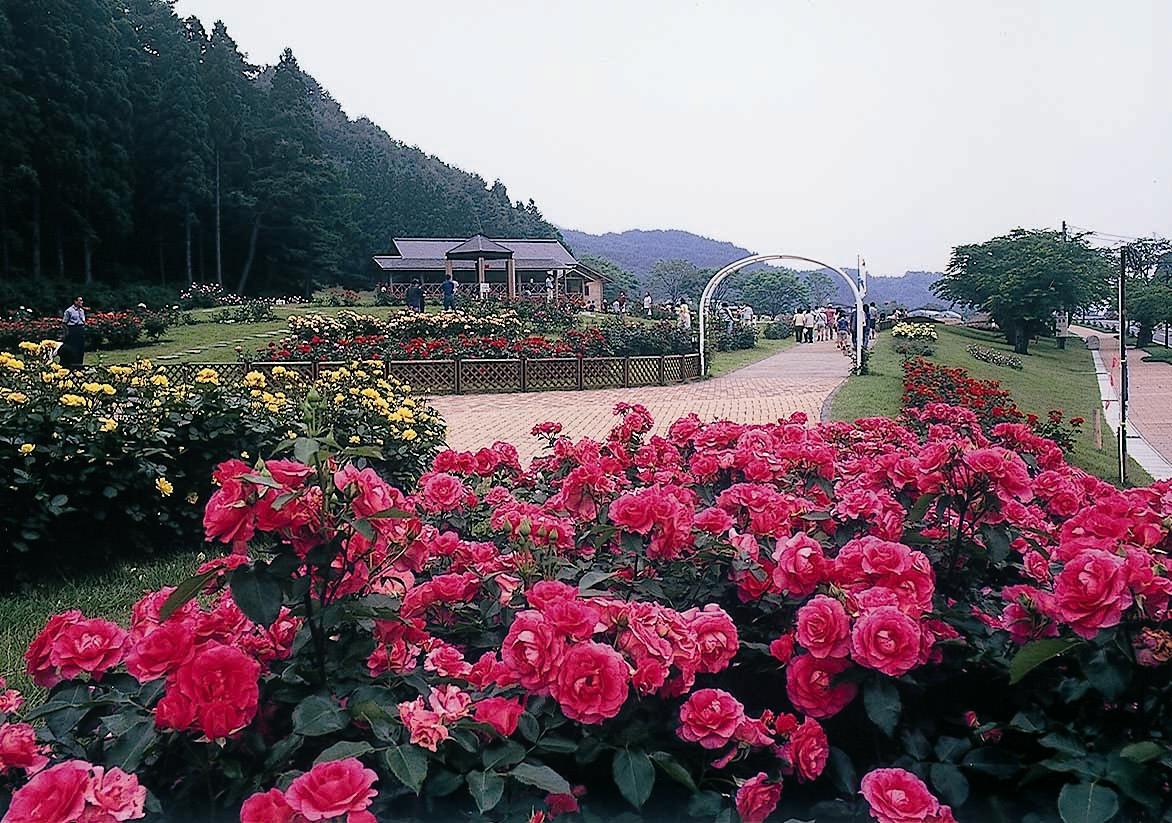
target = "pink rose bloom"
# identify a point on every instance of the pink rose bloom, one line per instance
(710, 717)
(533, 649)
(333, 789)
(266, 807)
(757, 798)
(1091, 592)
(116, 793)
(90, 647)
(898, 796)
(19, 749)
(800, 565)
(592, 683)
(886, 640)
(716, 636)
(500, 713)
(56, 795)
(824, 628)
(808, 749)
(809, 683)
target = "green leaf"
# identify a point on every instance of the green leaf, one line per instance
(1142, 751)
(486, 789)
(184, 592)
(344, 749)
(503, 754)
(881, 700)
(257, 593)
(317, 715)
(673, 769)
(950, 783)
(543, 777)
(634, 775)
(409, 764)
(1035, 654)
(1087, 803)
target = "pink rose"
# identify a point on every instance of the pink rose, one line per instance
(898, 796)
(809, 683)
(824, 628)
(886, 640)
(710, 717)
(1091, 592)
(757, 798)
(592, 682)
(716, 636)
(266, 807)
(332, 789)
(56, 795)
(500, 713)
(115, 793)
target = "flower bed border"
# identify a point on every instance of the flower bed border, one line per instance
(476, 375)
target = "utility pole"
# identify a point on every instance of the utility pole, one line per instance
(1122, 369)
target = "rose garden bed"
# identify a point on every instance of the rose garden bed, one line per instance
(869, 620)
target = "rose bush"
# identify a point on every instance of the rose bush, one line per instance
(117, 460)
(842, 622)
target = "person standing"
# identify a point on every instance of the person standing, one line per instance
(647, 305)
(810, 322)
(73, 346)
(448, 289)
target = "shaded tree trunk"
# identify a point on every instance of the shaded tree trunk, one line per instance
(219, 237)
(247, 270)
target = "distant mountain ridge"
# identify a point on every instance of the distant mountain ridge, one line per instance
(638, 250)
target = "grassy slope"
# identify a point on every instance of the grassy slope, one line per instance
(724, 362)
(1052, 378)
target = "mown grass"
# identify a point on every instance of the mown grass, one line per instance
(108, 594)
(725, 362)
(1051, 378)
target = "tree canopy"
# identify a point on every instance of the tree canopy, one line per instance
(1023, 278)
(136, 145)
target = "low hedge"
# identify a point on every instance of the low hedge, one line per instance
(116, 461)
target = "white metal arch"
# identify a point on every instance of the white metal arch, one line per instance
(859, 290)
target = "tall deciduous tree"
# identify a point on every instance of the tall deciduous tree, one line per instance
(1023, 278)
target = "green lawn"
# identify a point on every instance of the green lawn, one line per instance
(1052, 378)
(109, 594)
(724, 362)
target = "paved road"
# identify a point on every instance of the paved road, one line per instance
(797, 379)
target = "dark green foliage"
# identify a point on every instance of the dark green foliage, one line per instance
(137, 147)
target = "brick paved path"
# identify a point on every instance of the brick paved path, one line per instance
(797, 379)
(1149, 389)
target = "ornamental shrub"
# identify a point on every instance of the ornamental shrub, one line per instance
(116, 461)
(832, 622)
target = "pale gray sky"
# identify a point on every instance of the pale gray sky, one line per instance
(818, 127)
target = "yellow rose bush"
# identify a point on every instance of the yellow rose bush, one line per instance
(116, 460)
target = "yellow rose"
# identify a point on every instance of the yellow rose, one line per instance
(164, 486)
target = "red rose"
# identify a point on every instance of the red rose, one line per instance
(592, 683)
(757, 798)
(532, 649)
(56, 795)
(1091, 592)
(266, 807)
(710, 717)
(161, 652)
(332, 789)
(887, 640)
(898, 796)
(217, 688)
(88, 647)
(808, 749)
(824, 628)
(500, 713)
(809, 682)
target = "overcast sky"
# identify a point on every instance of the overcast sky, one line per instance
(823, 128)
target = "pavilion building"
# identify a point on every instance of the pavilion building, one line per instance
(489, 267)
